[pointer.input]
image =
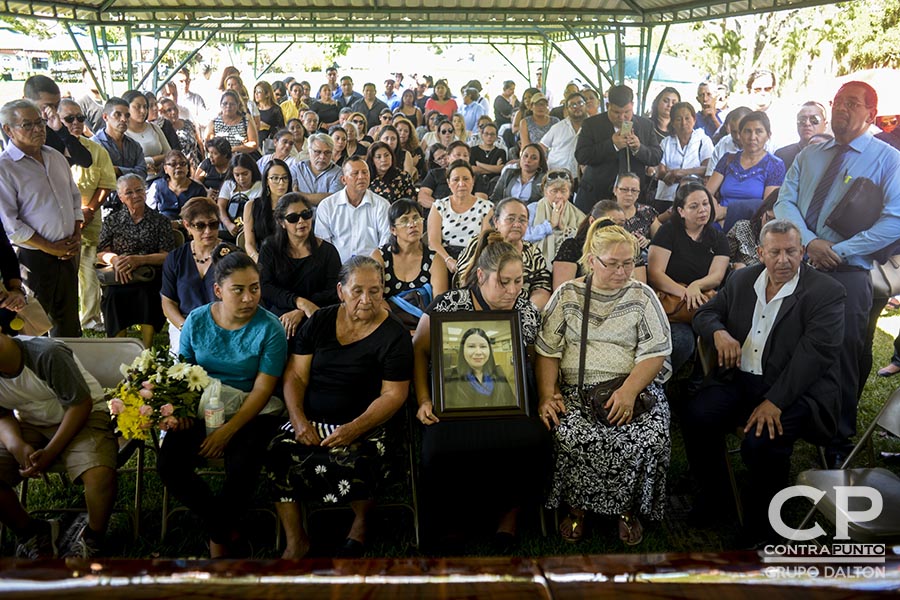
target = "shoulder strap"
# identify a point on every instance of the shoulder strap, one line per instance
(585, 312)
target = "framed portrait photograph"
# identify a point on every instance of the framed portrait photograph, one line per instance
(478, 365)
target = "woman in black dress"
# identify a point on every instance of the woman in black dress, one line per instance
(348, 373)
(298, 271)
(131, 239)
(480, 469)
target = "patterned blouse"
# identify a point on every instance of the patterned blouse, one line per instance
(121, 235)
(235, 134)
(626, 327)
(742, 242)
(457, 229)
(401, 186)
(537, 276)
(535, 131)
(461, 301)
(642, 220)
(187, 136)
(392, 284)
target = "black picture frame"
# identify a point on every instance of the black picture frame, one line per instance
(457, 391)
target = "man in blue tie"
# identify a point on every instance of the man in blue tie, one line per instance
(814, 186)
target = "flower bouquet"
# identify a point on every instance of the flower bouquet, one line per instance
(157, 389)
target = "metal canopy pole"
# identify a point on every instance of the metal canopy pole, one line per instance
(662, 42)
(187, 59)
(129, 62)
(518, 70)
(569, 60)
(620, 56)
(600, 71)
(256, 56)
(152, 69)
(105, 58)
(96, 47)
(84, 60)
(274, 60)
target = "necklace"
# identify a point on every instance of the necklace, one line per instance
(199, 261)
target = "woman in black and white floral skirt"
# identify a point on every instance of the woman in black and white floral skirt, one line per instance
(620, 469)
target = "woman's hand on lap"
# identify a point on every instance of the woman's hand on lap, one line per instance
(620, 407)
(214, 444)
(694, 296)
(550, 409)
(305, 433)
(342, 436)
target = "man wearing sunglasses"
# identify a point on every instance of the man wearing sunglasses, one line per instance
(95, 183)
(810, 122)
(44, 92)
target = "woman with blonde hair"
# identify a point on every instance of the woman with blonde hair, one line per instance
(600, 390)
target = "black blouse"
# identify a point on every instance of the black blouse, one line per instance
(284, 279)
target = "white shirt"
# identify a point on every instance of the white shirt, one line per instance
(353, 229)
(698, 149)
(763, 319)
(560, 141)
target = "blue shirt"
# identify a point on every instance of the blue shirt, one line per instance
(129, 160)
(708, 125)
(167, 202)
(235, 357)
(471, 113)
(867, 157)
(307, 182)
(181, 281)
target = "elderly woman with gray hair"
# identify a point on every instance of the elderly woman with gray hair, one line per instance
(134, 242)
(348, 372)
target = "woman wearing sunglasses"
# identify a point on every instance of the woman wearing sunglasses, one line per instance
(811, 121)
(298, 271)
(185, 284)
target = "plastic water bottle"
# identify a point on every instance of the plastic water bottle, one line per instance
(214, 414)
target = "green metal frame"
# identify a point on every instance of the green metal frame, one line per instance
(272, 24)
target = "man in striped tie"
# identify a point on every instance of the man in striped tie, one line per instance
(815, 184)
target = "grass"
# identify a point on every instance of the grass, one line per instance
(391, 533)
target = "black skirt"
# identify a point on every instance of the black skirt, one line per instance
(132, 304)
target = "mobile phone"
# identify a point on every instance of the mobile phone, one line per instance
(626, 128)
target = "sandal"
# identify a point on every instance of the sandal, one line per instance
(572, 528)
(631, 532)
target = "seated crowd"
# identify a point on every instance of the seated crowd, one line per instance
(305, 257)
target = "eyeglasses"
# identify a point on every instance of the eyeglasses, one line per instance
(203, 226)
(512, 220)
(629, 190)
(357, 121)
(553, 175)
(322, 152)
(408, 221)
(848, 104)
(813, 120)
(576, 105)
(180, 163)
(279, 178)
(30, 125)
(294, 218)
(626, 266)
(72, 118)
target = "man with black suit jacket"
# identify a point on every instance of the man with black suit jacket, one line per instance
(605, 151)
(776, 329)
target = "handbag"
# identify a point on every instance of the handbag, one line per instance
(410, 305)
(677, 308)
(143, 274)
(858, 210)
(597, 396)
(886, 278)
(32, 320)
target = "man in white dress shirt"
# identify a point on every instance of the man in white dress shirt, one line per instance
(354, 220)
(776, 330)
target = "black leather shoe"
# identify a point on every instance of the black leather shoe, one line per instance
(351, 549)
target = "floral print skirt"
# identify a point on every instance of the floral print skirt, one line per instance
(611, 470)
(298, 472)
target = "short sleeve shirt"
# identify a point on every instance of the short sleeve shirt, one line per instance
(690, 259)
